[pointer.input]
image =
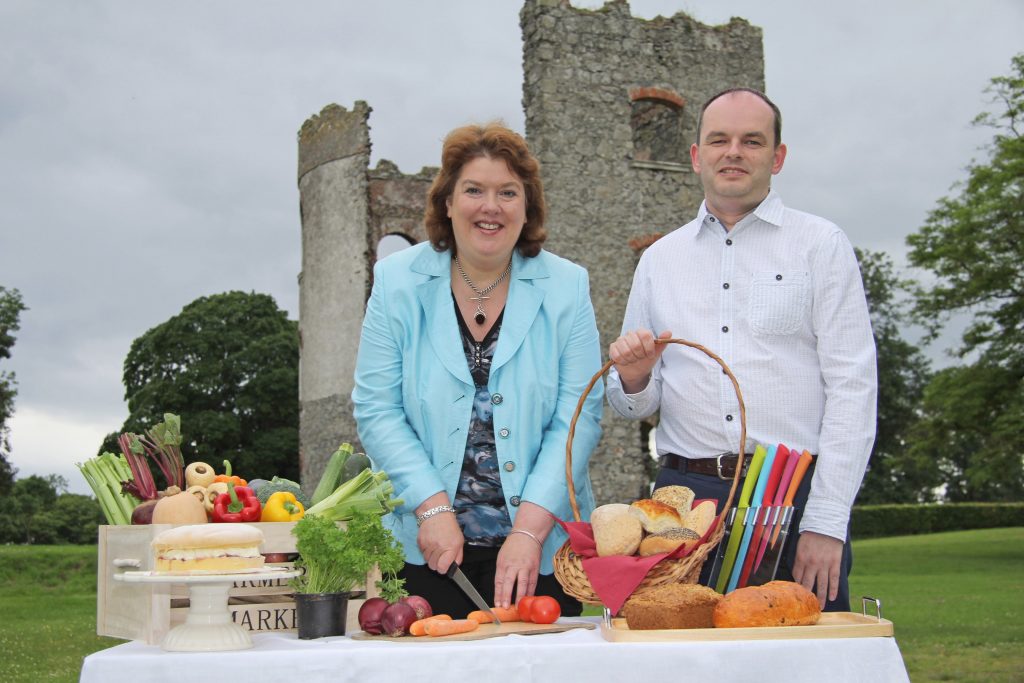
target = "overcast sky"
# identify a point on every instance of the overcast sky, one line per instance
(148, 149)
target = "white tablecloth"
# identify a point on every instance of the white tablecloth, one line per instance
(576, 655)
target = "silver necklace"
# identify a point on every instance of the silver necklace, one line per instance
(481, 294)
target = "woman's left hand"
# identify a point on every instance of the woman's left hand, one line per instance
(519, 558)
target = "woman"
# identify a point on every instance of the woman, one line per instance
(475, 349)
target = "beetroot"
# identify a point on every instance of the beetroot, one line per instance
(370, 613)
(397, 618)
(420, 604)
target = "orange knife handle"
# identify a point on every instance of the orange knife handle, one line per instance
(798, 475)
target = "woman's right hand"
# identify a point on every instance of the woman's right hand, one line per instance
(635, 355)
(440, 540)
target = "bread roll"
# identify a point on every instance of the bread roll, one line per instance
(208, 547)
(616, 531)
(700, 518)
(777, 603)
(679, 497)
(673, 605)
(655, 516)
(667, 541)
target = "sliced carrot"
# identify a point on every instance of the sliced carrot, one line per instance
(440, 627)
(503, 613)
(419, 627)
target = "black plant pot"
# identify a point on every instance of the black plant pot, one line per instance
(321, 614)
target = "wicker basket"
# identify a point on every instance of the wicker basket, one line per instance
(569, 566)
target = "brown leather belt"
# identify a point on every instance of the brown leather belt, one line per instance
(722, 466)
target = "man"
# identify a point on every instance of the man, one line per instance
(776, 293)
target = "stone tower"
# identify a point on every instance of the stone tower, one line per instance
(611, 108)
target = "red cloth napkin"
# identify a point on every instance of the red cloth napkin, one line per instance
(614, 578)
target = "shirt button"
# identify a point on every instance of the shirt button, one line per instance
(725, 328)
(725, 286)
(509, 466)
(497, 399)
(728, 243)
(504, 432)
(515, 500)
(728, 418)
(711, 218)
(778, 277)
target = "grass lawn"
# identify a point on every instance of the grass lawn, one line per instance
(956, 599)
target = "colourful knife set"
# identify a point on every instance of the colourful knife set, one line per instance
(756, 530)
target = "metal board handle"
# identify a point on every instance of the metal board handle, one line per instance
(865, 601)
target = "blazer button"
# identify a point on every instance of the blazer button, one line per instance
(515, 500)
(504, 432)
(496, 399)
(510, 466)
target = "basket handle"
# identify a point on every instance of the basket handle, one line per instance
(586, 392)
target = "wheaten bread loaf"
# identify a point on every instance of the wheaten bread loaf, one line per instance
(777, 603)
(679, 497)
(616, 530)
(655, 516)
(666, 541)
(674, 605)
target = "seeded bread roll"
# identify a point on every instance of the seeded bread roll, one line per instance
(616, 531)
(667, 541)
(655, 516)
(679, 497)
(776, 603)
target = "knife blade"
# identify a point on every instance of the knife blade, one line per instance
(729, 558)
(460, 579)
(762, 481)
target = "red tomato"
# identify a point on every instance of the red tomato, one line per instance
(524, 607)
(545, 610)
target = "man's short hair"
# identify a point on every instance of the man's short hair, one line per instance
(752, 91)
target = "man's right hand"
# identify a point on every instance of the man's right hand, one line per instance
(634, 355)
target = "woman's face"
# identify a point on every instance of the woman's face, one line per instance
(488, 210)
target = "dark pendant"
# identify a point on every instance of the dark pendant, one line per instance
(479, 318)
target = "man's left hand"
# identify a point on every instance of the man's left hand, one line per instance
(818, 558)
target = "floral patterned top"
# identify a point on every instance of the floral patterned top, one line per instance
(479, 500)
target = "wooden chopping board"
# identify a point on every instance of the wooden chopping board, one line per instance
(831, 625)
(508, 628)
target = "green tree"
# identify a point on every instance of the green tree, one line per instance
(972, 427)
(11, 307)
(903, 372)
(228, 366)
(29, 497)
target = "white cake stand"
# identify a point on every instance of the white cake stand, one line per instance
(208, 626)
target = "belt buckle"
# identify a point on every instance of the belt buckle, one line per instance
(718, 466)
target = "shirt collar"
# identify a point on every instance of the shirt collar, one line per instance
(770, 211)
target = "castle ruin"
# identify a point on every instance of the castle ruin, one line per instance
(611, 104)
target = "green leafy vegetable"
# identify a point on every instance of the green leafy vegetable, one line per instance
(105, 474)
(336, 559)
(368, 491)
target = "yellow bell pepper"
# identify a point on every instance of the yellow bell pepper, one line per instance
(282, 507)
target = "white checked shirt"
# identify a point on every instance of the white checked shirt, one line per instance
(780, 299)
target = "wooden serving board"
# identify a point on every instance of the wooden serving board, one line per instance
(831, 625)
(508, 628)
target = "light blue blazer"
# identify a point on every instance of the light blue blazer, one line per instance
(413, 392)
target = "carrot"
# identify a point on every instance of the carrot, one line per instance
(503, 613)
(440, 627)
(419, 627)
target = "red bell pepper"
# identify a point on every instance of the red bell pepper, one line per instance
(239, 504)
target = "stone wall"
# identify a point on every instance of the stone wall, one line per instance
(611, 108)
(609, 101)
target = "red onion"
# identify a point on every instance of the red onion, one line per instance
(420, 604)
(369, 615)
(397, 618)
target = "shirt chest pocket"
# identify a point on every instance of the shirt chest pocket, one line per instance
(778, 301)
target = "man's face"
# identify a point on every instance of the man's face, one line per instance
(737, 156)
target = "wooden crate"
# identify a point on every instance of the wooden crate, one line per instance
(147, 611)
